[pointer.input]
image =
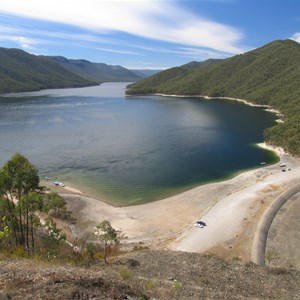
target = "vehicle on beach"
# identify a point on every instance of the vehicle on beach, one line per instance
(200, 224)
(58, 183)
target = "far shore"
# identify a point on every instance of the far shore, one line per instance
(267, 107)
(230, 209)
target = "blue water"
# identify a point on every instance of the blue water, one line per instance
(132, 150)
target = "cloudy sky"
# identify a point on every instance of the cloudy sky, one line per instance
(146, 33)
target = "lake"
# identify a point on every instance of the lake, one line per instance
(132, 150)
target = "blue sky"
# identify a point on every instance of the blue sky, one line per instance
(146, 33)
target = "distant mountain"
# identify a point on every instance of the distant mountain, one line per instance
(269, 75)
(21, 71)
(97, 71)
(145, 72)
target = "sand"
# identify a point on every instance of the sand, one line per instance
(231, 210)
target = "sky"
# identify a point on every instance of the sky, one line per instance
(146, 34)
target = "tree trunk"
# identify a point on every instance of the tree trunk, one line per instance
(105, 252)
(22, 238)
(27, 230)
(32, 235)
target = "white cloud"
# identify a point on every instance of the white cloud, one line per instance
(24, 42)
(159, 20)
(119, 51)
(296, 37)
(198, 54)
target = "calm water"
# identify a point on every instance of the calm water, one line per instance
(131, 150)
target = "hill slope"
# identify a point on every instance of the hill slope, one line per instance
(269, 75)
(96, 71)
(148, 275)
(21, 71)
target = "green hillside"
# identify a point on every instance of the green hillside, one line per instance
(96, 71)
(201, 64)
(269, 75)
(21, 71)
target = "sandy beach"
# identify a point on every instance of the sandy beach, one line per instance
(231, 210)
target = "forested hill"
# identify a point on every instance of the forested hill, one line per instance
(97, 71)
(268, 75)
(21, 71)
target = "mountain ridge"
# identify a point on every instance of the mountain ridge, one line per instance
(21, 71)
(97, 71)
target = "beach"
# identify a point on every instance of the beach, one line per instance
(231, 210)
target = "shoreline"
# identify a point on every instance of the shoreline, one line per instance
(230, 208)
(267, 107)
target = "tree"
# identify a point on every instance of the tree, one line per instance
(108, 235)
(56, 207)
(22, 201)
(29, 205)
(17, 179)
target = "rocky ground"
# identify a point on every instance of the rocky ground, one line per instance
(147, 275)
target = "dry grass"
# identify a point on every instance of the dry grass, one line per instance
(148, 275)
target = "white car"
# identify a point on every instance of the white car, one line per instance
(58, 183)
(198, 225)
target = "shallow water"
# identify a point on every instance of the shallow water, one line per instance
(132, 150)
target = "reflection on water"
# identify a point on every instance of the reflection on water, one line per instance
(131, 150)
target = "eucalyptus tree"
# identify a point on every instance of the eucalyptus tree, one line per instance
(18, 178)
(29, 205)
(107, 234)
(22, 203)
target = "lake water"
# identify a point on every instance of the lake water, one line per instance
(132, 150)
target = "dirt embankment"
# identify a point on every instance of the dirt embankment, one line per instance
(148, 275)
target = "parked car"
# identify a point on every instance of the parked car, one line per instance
(201, 223)
(198, 225)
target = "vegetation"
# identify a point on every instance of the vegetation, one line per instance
(32, 218)
(267, 76)
(108, 235)
(96, 71)
(21, 72)
(24, 205)
(160, 275)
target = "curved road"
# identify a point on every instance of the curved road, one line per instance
(260, 238)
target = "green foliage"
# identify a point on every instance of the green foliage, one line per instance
(22, 203)
(56, 207)
(20, 175)
(152, 83)
(177, 284)
(125, 273)
(106, 232)
(108, 235)
(54, 232)
(271, 256)
(4, 229)
(21, 71)
(150, 284)
(268, 75)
